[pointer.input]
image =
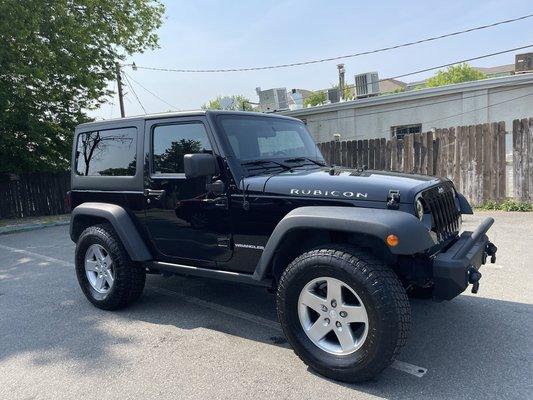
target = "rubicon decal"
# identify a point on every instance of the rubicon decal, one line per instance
(327, 193)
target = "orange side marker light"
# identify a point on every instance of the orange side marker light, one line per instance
(392, 240)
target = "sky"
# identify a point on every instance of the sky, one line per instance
(206, 34)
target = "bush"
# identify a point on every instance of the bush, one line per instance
(507, 205)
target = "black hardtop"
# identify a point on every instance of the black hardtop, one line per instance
(174, 114)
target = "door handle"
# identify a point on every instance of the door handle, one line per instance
(219, 202)
(157, 193)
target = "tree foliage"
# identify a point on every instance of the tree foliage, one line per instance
(455, 74)
(56, 57)
(240, 103)
(172, 159)
(315, 99)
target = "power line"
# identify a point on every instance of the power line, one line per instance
(448, 64)
(296, 64)
(463, 61)
(152, 93)
(134, 93)
(380, 80)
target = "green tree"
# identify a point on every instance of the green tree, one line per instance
(455, 74)
(56, 58)
(315, 99)
(172, 159)
(240, 103)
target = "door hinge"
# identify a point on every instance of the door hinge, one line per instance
(393, 199)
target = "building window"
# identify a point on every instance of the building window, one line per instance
(107, 153)
(401, 130)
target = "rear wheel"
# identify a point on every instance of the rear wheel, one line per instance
(345, 314)
(107, 277)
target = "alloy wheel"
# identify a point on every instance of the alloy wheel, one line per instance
(333, 316)
(99, 268)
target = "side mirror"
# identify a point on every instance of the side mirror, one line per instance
(200, 164)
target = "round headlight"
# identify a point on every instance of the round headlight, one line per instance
(419, 209)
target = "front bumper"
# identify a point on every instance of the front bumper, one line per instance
(458, 266)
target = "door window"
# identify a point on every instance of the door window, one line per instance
(172, 142)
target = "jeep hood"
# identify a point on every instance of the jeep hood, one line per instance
(344, 184)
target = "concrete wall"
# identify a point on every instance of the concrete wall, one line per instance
(472, 103)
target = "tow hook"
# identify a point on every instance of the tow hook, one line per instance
(473, 277)
(491, 251)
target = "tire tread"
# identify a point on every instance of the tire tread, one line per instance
(129, 277)
(393, 304)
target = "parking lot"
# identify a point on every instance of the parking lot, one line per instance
(194, 338)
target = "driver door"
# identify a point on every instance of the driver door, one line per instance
(184, 226)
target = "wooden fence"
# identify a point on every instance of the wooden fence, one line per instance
(472, 156)
(523, 159)
(33, 194)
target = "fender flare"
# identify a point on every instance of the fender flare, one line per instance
(464, 205)
(122, 224)
(413, 236)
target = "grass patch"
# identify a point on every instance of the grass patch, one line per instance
(507, 205)
(49, 219)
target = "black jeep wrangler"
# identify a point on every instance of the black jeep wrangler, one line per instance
(248, 198)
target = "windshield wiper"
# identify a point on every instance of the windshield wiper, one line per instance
(263, 162)
(298, 159)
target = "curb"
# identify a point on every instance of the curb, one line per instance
(31, 227)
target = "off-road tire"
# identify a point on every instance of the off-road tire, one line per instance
(380, 291)
(129, 277)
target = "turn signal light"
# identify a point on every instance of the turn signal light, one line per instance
(392, 240)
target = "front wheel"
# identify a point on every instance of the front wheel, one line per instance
(345, 314)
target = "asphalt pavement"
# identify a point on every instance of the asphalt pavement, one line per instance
(199, 338)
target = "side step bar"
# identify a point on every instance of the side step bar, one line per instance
(208, 273)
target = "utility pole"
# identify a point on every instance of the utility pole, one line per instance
(120, 94)
(340, 67)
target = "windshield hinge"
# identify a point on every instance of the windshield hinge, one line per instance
(393, 199)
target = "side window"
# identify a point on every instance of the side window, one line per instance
(172, 142)
(109, 152)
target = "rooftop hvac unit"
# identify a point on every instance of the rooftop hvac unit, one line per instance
(523, 63)
(273, 99)
(333, 95)
(367, 84)
(297, 100)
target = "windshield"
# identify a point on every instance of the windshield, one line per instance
(256, 138)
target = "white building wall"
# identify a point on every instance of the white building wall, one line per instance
(465, 104)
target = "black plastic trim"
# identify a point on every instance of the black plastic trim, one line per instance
(464, 205)
(413, 236)
(450, 268)
(122, 223)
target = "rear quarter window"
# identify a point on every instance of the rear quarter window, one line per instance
(110, 152)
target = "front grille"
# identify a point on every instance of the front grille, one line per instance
(440, 202)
